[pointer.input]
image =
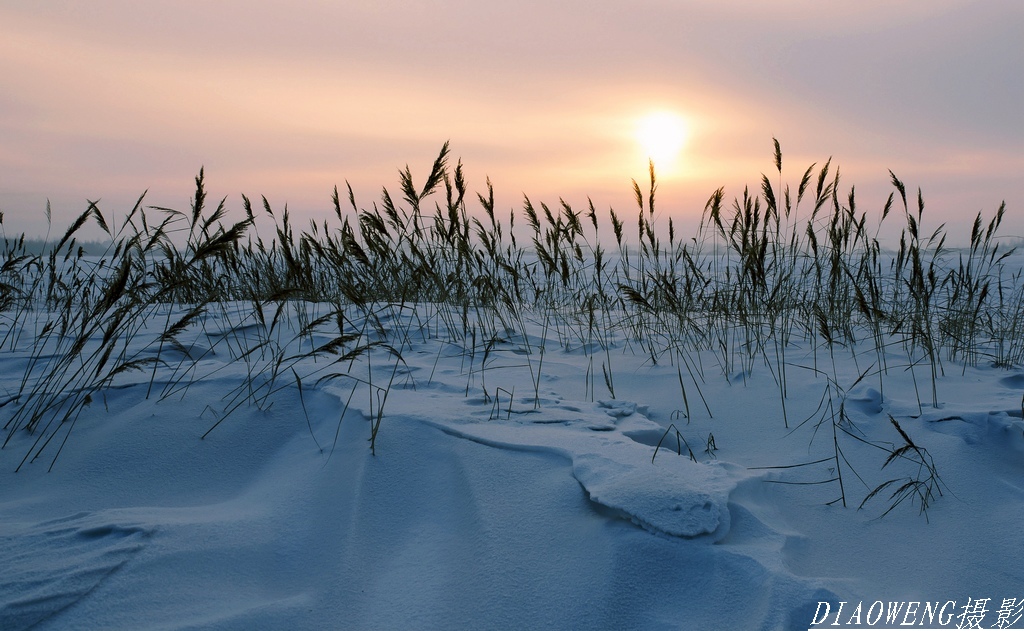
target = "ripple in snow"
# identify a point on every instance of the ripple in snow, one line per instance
(49, 566)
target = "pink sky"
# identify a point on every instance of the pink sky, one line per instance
(108, 98)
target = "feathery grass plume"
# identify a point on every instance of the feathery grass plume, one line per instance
(923, 485)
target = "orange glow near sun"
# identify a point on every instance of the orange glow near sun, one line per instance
(661, 137)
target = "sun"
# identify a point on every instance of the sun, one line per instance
(661, 137)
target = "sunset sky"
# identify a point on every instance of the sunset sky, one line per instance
(107, 98)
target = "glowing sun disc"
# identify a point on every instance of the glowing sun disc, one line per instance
(661, 136)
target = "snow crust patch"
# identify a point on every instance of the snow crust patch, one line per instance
(668, 494)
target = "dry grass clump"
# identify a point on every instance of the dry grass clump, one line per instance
(775, 268)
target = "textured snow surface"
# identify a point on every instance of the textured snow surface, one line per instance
(501, 497)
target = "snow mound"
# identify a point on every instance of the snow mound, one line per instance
(668, 494)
